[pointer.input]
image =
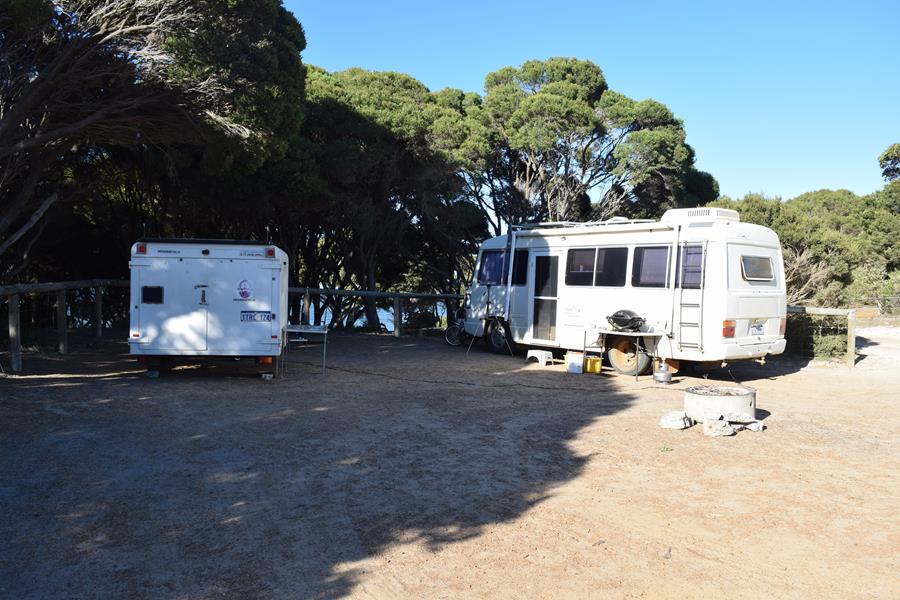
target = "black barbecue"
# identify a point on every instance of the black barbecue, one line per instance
(626, 320)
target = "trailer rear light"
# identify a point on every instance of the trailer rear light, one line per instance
(265, 360)
(727, 329)
(782, 325)
(141, 249)
(274, 337)
(270, 252)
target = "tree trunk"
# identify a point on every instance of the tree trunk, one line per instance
(372, 319)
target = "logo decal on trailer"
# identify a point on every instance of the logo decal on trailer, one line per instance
(244, 289)
(256, 316)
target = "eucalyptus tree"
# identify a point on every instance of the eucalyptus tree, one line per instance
(549, 134)
(82, 77)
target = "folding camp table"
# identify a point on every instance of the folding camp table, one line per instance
(297, 333)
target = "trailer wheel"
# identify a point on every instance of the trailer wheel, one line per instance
(498, 338)
(624, 357)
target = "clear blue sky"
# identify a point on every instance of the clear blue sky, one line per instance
(777, 97)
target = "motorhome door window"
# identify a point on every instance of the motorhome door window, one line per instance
(650, 266)
(757, 268)
(151, 294)
(611, 266)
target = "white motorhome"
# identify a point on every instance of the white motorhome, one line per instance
(708, 287)
(219, 298)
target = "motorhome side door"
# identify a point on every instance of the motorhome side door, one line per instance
(170, 300)
(543, 294)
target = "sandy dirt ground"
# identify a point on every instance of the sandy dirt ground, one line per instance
(412, 470)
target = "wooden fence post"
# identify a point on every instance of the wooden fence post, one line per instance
(15, 334)
(98, 311)
(62, 322)
(398, 316)
(851, 338)
(304, 316)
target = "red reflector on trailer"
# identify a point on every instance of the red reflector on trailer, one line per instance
(141, 249)
(270, 252)
(265, 360)
(135, 335)
(274, 337)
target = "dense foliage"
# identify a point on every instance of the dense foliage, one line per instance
(123, 118)
(839, 247)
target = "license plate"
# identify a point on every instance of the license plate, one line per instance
(256, 316)
(757, 328)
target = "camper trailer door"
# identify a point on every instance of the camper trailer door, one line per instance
(171, 299)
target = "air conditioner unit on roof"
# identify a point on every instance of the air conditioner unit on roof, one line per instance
(706, 213)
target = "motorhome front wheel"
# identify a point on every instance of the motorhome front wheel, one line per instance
(498, 338)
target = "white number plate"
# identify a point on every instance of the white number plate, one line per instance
(757, 328)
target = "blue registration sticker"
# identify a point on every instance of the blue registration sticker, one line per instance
(256, 316)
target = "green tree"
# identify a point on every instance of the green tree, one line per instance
(549, 134)
(889, 161)
(81, 78)
(830, 238)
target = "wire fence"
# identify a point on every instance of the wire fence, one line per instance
(817, 336)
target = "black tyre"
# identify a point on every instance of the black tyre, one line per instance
(454, 334)
(624, 357)
(498, 338)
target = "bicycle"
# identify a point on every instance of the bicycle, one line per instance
(455, 333)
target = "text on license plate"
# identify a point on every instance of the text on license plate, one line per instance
(256, 316)
(757, 328)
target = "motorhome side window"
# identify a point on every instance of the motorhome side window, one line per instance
(757, 268)
(596, 266)
(151, 294)
(611, 266)
(520, 267)
(580, 266)
(493, 267)
(651, 263)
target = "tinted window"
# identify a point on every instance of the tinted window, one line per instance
(650, 266)
(491, 269)
(611, 266)
(520, 267)
(757, 268)
(494, 267)
(580, 267)
(691, 267)
(545, 275)
(151, 295)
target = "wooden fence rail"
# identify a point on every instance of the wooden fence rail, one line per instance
(14, 295)
(15, 292)
(397, 297)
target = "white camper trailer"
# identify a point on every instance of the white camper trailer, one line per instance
(219, 298)
(703, 286)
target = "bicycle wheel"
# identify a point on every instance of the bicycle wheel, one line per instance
(453, 335)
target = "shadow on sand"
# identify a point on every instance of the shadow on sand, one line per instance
(198, 486)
